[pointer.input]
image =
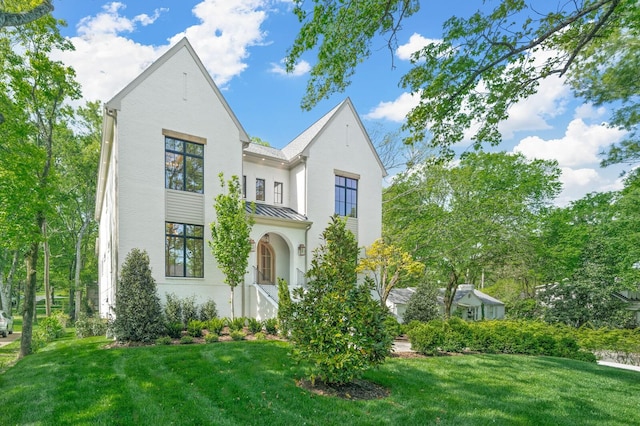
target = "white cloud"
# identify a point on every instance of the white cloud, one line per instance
(395, 110)
(580, 144)
(300, 69)
(588, 111)
(106, 60)
(416, 42)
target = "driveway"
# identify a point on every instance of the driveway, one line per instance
(10, 338)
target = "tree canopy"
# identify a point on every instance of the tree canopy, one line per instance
(484, 63)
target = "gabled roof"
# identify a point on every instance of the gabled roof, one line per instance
(465, 289)
(267, 151)
(115, 102)
(401, 295)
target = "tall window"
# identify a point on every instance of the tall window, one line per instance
(244, 186)
(184, 250)
(259, 189)
(265, 264)
(277, 192)
(184, 165)
(346, 196)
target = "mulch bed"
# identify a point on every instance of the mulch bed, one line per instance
(357, 390)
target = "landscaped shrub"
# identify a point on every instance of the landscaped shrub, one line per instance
(87, 326)
(255, 326)
(236, 324)
(174, 329)
(237, 335)
(271, 326)
(186, 340)
(138, 310)
(336, 326)
(422, 305)
(394, 328)
(164, 340)
(215, 325)
(51, 328)
(173, 308)
(211, 338)
(208, 310)
(284, 307)
(260, 336)
(189, 310)
(195, 327)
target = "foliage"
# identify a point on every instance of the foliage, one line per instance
(388, 266)
(215, 325)
(174, 329)
(164, 340)
(173, 309)
(509, 337)
(336, 327)
(394, 328)
(483, 64)
(254, 325)
(460, 219)
(87, 326)
(211, 338)
(271, 326)
(284, 307)
(230, 232)
(51, 328)
(237, 335)
(422, 305)
(138, 312)
(186, 340)
(208, 310)
(260, 336)
(12, 17)
(236, 324)
(195, 327)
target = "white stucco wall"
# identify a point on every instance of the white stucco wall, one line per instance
(270, 175)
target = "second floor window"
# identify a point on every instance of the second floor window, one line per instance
(244, 186)
(184, 165)
(346, 190)
(277, 192)
(259, 189)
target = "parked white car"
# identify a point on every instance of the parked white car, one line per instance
(6, 324)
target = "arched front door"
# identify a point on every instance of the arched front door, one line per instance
(266, 263)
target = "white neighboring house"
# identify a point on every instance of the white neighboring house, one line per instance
(166, 137)
(471, 304)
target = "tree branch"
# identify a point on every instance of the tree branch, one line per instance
(15, 19)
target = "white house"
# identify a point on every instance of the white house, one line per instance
(166, 137)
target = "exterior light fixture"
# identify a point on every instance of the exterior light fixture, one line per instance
(253, 244)
(302, 250)
(265, 238)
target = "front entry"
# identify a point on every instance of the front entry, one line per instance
(266, 263)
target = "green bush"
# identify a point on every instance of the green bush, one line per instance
(208, 310)
(211, 338)
(164, 340)
(255, 326)
(38, 339)
(186, 340)
(87, 326)
(284, 307)
(394, 328)
(174, 329)
(236, 324)
(138, 311)
(195, 327)
(260, 336)
(189, 310)
(173, 309)
(237, 335)
(271, 326)
(336, 326)
(422, 305)
(51, 328)
(215, 325)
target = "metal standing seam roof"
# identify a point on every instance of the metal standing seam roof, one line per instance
(277, 212)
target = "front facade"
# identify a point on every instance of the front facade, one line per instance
(166, 138)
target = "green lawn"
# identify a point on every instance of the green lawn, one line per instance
(253, 383)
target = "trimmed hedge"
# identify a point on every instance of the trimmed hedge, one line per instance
(500, 336)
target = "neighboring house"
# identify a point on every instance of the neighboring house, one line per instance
(468, 303)
(166, 137)
(632, 300)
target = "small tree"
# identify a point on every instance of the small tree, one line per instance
(284, 307)
(388, 266)
(230, 234)
(422, 305)
(336, 325)
(138, 310)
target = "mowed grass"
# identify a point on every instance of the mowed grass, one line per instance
(254, 383)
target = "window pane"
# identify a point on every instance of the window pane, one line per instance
(174, 255)
(173, 144)
(195, 149)
(195, 175)
(174, 228)
(174, 173)
(194, 231)
(277, 192)
(194, 258)
(260, 189)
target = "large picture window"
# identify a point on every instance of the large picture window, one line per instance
(184, 165)
(184, 250)
(346, 191)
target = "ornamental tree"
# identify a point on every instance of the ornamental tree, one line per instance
(388, 265)
(335, 324)
(230, 232)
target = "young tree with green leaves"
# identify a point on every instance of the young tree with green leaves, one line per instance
(34, 89)
(335, 325)
(230, 233)
(485, 63)
(388, 266)
(423, 304)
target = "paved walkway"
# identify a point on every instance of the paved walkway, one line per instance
(10, 338)
(405, 346)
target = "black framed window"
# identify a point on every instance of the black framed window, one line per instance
(184, 250)
(244, 186)
(260, 190)
(184, 165)
(346, 191)
(277, 192)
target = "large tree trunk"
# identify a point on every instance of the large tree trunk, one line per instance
(232, 304)
(31, 261)
(450, 293)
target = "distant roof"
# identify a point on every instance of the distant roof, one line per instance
(268, 151)
(464, 289)
(275, 212)
(401, 295)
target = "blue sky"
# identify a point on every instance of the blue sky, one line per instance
(243, 42)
